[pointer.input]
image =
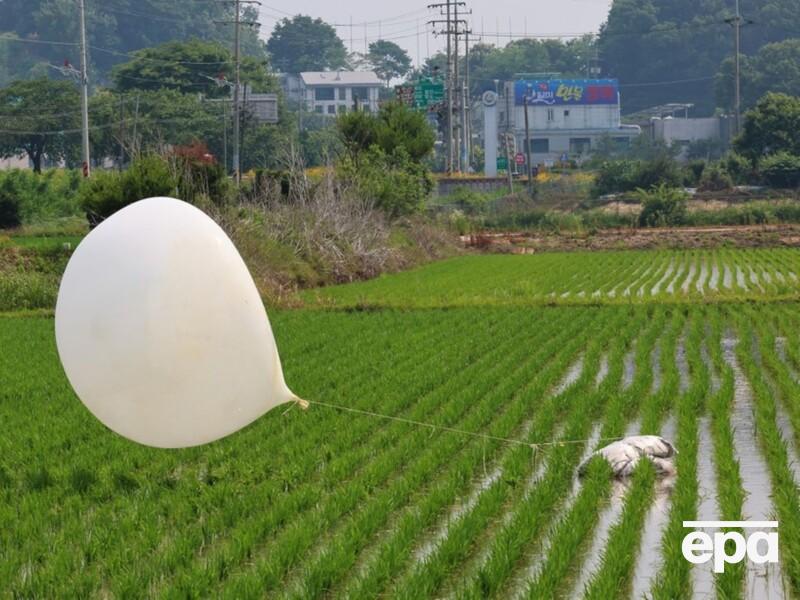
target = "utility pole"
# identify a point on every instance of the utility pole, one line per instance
(237, 23)
(451, 27)
(528, 148)
(736, 22)
(457, 93)
(738, 45)
(467, 104)
(87, 168)
(237, 176)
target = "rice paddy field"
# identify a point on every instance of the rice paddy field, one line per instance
(566, 351)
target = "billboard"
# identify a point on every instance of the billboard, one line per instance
(566, 92)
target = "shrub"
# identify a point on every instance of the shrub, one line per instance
(662, 206)
(693, 172)
(781, 170)
(715, 178)
(626, 175)
(199, 175)
(9, 209)
(394, 183)
(739, 168)
(106, 192)
(43, 196)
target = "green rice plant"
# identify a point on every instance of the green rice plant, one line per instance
(613, 578)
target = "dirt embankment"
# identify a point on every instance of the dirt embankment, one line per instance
(735, 236)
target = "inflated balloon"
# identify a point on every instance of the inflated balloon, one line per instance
(161, 330)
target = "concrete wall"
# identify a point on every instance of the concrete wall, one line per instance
(17, 162)
(686, 130)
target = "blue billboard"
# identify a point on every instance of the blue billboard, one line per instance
(566, 91)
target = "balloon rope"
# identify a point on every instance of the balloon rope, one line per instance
(485, 436)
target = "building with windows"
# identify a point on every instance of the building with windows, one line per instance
(333, 92)
(567, 119)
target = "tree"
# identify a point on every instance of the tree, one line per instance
(775, 68)
(685, 41)
(188, 68)
(118, 28)
(771, 127)
(40, 118)
(305, 44)
(395, 128)
(388, 60)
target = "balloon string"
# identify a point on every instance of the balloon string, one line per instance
(485, 436)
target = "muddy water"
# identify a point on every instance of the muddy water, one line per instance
(701, 279)
(634, 284)
(779, 276)
(609, 515)
(492, 476)
(534, 565)
(648, 560)
(782, 416)
(727, 280)
(763, 581)
(657, 287)
(687, 282)
(671, 286)
(629, 368)
(792, 276)
(766, 277)
(754, 279)
(708, 508)
(713, 282)
(740, 281)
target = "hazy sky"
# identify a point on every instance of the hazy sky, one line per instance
(399, 21)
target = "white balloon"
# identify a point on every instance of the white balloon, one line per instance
(161, 330)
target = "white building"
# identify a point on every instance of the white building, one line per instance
(566, 118)
(333, 92)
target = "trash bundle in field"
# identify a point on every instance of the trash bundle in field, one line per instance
(161, 330)
(625, 454)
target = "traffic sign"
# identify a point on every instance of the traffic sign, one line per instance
(519, 158)
(502, 163)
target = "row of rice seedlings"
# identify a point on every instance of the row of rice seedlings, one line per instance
(425, 578)
(223, 542)
(612, 579)
(785, 493)
(638, 524)
(464, 550)
(674, 577)
(131, 455)
(638, 264)
(654, 410)
(471, 408)
(783, 386)
(338, 557)
(569, 536)
(456, 402)
(730, 490)
(126, 459)
(395, 551)
(761, 580)
(532, 515)
(622, 408)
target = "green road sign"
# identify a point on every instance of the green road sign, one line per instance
(502, 163)
(428, 92)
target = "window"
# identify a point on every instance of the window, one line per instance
(360, 93)
(342, 108)
(580, 145)
(566, 113)
(622, 142)
(342, 93)
(540, 145)
(323, 93)
(318, 108)
(551, 114)
(331, 109)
